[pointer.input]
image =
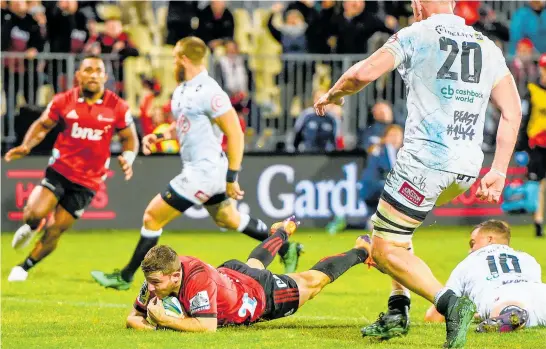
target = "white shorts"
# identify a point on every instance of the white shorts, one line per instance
(415, 189)
(200, 181)
(531, 295)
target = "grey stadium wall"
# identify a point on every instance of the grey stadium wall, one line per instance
(313, 187)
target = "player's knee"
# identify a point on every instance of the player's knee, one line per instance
(151, 221)
(32, 216)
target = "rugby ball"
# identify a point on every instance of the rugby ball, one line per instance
(172, 308)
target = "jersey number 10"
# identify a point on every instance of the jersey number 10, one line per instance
(503, 261)
(466, 76)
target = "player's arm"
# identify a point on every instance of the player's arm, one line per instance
(137, 320)
(34, 136)
(230, 126)
(358, 77)
(506, 97)
(129, 144)
(191, 324)
(153, 138)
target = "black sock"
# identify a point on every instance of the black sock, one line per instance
(445, 301)
(28, 263)
(335, 266)
(399, 302)
(538, 229)
(266, 251)
(258, 230)
(34, 223)
(144, 245)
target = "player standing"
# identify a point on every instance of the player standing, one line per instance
(450, 72)
(235, 293)
(203, 114)
(90, 115)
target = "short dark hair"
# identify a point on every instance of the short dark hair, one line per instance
(495, 227)
(161, 258)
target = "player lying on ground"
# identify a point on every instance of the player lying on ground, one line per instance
(90, 115)
(234, 293)
(203, 114)
(505, 284)
(451, 72)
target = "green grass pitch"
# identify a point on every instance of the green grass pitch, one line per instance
(61, 307)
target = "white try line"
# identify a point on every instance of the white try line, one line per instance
(20, 300)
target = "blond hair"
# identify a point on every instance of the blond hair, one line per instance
(495, 227)
(161, 258)
(193, 48)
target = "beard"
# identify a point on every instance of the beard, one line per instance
(179, 74)
(87, 93)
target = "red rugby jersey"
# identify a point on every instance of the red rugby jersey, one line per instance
(231, 297)
(82, 150)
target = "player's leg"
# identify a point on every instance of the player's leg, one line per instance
(226, 215)
(62, 221)
(160, 211)
(263, 254)
(41, 202)
(410, 193)
(327, 270)
(537, 172)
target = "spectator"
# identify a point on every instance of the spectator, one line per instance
(319, 31)
(152, 89)
(306, 8)
(489, 25)
(383, 117)
(5, 13)
(355, 26)
(380, 161)
(68, 33)
(232, 71)
(529, 21)
(182, 20)
(113, 40)
(291, 35)
(216, 24)
(469, 10)
(533, 139)
(522, 67)
(20, 34)
(314, 133)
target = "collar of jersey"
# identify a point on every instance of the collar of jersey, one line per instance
(82, 100)
(199, 76)
(448, 17)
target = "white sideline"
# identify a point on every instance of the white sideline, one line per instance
(128, 306)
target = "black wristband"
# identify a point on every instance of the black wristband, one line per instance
(231, 176)
(159, 136)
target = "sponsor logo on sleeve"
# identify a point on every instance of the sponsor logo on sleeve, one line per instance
(200, 302)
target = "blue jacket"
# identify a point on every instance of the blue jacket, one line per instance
(380, 162)
(316, 133)
(526, 23)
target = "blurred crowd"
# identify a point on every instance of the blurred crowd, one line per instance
(242, 41)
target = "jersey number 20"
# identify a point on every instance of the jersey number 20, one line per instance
(466, 76)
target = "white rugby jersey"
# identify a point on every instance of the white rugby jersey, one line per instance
(195, 104)
(449, 70)
(484, 271)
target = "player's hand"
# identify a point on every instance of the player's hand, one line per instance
(491, 186)
(156, 311)
(147, 142)
(324, 100)
(125, 167)
(234, 191)
(17, 153)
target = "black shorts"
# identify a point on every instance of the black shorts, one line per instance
(536, 170)
(74, 198)
(281, 292)
(181, 204)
